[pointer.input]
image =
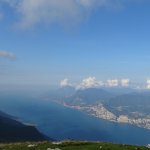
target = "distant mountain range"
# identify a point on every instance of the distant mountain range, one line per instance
(71, 95)
(115, 104)
(130, 104)
(14, 131)
(88, 96)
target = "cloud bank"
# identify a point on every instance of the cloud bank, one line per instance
(8, 55)
(65, 82)
(112, 83)
(33, 12)
(148, 84)
(92, 82)
(89, 82)
(125, 82)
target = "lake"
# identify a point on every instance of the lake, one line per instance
(59, 122)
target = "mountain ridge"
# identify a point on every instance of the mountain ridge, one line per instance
(15, 131)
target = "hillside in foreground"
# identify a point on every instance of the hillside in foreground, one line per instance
(69, 146)
(13, 130)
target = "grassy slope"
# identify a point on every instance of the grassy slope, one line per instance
(70, 146)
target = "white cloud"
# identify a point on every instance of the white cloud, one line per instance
(125, 82)
(65, 82)
(5, 54)
(148, 84)
(89, 82)
(64, 12)
(112, 83)
(92, 82)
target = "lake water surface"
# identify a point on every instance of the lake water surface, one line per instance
(59, 122)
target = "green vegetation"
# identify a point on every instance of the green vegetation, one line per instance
(69, 146)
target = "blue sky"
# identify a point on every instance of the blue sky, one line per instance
(74, 39)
